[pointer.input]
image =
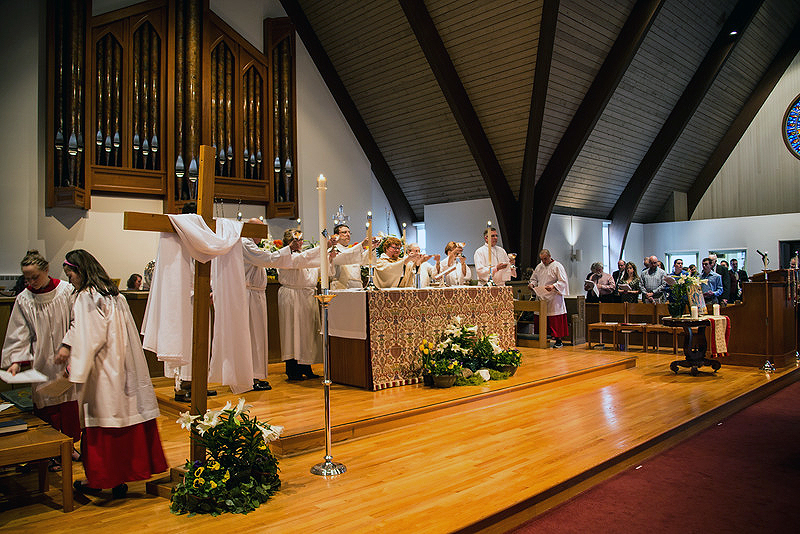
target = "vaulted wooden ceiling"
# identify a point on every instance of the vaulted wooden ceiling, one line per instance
(441, 94)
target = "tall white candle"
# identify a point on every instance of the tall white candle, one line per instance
(369, 238)
(404, 238)
(489, 243)
(322, 186)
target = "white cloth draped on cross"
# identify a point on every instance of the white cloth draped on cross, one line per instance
(167, 325)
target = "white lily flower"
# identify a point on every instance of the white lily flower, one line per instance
(241, 407)
(270, 432)
(186, 420)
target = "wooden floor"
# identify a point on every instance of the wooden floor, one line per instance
(425, 460)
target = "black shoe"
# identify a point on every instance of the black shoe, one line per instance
(81, 487)
(293, 370)
(183, 395)
(306, 371)
(261, 385)
(119, 492)
(558, 344)
(211, 392)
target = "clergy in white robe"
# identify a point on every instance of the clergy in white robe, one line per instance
(301, 342)
(501, 268)
(39, 319)
(346, 276)
(427, 272)
(552, 277)
(457, 271)
(256, 260)
(391, 270)
(118, 406)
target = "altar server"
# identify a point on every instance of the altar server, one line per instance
(301, 343)
(391, 270)
(456, 263)
(426, 271)
(118, 407)
(501, 267)
(346, 276)
(551, 276)
(40, 318)
(256, 260)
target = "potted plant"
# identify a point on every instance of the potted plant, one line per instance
(679, 291)
(239, 472)
(444, 372)
(507, 361)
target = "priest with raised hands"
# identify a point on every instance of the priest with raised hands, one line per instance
(551, 279)
(495, 261)
(427, 272)
(391, 270)
(347, 276)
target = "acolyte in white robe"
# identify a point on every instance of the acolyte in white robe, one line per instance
(390, 273)
(426, 274)
(36, 327)
(299, 311)
(456, 277)
(555, 275)
(482, 266)
(108, 363)
(348, 276)
(255, 262)
(231, 359)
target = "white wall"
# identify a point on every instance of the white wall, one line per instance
(326, 145)
(750, 233)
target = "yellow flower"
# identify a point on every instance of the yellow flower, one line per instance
(424, 341)
(213, 466)
(197, 482)
(212, 484)
(422, 347)
(199, 471)
(262, 447)
(226, 476)
(426, 351)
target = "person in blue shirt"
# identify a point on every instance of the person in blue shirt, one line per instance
(712, 288)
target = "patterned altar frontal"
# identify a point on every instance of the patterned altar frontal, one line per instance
(400, 319)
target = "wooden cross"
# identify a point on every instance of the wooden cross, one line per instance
(156, 222)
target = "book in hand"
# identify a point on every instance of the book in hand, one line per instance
(13, 425)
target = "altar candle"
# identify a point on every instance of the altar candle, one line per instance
(695, 312)
(369, 238)
(716, 309)
(404, 238)
(323, 241)
(489, 243)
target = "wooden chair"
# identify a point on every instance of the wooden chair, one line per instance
(657, 328)
(639, 317)
(611, 314)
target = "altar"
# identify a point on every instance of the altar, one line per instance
(374, 336)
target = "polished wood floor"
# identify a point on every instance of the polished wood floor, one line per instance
(519, 447)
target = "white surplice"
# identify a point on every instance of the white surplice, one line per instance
(456, 277)
(108, 363)
(171, 318)
(396, 273)
(426, 273)
(36, 327)
(255, 262)
(555, 275)
(348, 276)
(482, 266)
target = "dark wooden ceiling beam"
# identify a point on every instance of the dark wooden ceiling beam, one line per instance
(776, 69)
(541, 80)
(505, 205)
(535, 217)
(622, 214)
(383, 173)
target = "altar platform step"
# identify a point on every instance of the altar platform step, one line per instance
(356, 413)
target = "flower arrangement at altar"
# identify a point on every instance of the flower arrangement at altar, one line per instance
(684, 289)
(239, 472)
(472, 358)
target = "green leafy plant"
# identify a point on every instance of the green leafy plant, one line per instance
(239, 472)
(506, 357)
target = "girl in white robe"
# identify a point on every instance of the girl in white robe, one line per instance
(118, 406)
(38, 322)
(461, 274)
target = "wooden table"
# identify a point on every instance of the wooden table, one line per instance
(695, 352)
(39, 442)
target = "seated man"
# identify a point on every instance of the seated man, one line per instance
(391, 270)
(712, 288)
(426, 271)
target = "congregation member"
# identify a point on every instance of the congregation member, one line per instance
(346, 276)
(459, 273)
(722, 271)
(427, 272)
(738, 277)
(653, 283)
(552, 277)
(117, 404)
(134, 282)
(256, 260)
(712, 287)
(391, 270)
(617, 276)
(40, 317)
(602, 281)
(630, 285)
(693, 270)
(677, 268)
(501, 267)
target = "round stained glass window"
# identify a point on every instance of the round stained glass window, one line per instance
(791, 127)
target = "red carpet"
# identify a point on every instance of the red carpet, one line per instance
(740, 476)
